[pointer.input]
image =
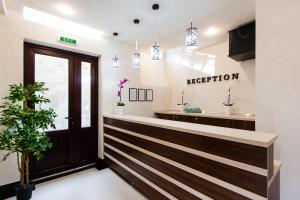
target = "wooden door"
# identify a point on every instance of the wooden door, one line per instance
(72, 80)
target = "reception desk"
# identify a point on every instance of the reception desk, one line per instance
(166, 159)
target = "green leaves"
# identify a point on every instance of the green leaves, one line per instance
(24, 125)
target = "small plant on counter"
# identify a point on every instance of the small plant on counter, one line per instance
(228, 103)
(23, 123)
(121, 86)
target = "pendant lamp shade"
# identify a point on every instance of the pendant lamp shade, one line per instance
(115, 62)
(155, 52)
(191, 37)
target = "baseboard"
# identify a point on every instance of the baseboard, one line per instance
(62, 174)
(7, 191)
(100, 164)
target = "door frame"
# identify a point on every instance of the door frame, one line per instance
(29, 77)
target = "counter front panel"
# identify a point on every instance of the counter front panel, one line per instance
(169, 164)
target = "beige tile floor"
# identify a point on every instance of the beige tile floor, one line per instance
(87, 185)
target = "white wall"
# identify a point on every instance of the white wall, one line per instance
(278, 85)
(213, 60)
(13, 31)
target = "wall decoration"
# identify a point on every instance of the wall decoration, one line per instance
(149, 95)
(225, 77)
(133, 94)
(141, 95)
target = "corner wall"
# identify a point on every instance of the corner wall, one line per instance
(278, 85)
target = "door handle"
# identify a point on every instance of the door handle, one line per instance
(71, 119)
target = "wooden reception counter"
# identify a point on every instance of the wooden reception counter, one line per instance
(166, 159)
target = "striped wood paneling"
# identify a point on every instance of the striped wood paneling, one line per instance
(181, 165)
(249, 154)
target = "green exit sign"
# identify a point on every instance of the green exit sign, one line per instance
(67, 40)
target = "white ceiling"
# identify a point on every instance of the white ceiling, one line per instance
(169, 23)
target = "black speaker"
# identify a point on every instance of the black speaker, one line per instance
(242, 42)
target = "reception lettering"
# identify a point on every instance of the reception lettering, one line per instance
(225, 77)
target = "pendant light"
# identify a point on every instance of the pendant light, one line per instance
(155, 52)
(191, 38)
(115, 62)
(155, 49)
(136, 57)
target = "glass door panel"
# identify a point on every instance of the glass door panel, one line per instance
(85, 94)
(54, 71)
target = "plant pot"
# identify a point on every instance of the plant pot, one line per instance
(119, 110)
(24, 193)
(228, 110)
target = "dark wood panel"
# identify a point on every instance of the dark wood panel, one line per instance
(203, 186)
(169, 187)
(87, 145)
(249, 154)
(228, 123)
(57, 158)
(244, 179)
(141, 186)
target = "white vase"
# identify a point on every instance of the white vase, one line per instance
(228, 110)
(119, 110)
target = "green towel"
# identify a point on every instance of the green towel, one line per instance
(192, 110)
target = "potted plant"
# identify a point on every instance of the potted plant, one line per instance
(228, 105)
(23, 120)
(120, 104)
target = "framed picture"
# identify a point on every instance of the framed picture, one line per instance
(142, 95)
(149, 95)
(133, 94)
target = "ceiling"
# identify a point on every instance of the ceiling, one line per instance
(168, 24)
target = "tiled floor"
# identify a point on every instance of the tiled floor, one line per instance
(87, 185)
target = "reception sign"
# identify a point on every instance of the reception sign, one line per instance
(218, 78)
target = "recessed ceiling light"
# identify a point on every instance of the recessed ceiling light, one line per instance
(211, 31)
(65, 9)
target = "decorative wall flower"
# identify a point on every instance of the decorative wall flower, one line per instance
(119, 94)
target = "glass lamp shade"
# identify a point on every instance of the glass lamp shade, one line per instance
(191, 38)
(115, 62)
(155, 52)
(136, 60)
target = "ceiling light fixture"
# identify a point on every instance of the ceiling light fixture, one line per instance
(115, 62)
(155, 52)
(136, 58)
(115, 34)
(211, 31)
(65, 9)
(191, 37)
(155, 49)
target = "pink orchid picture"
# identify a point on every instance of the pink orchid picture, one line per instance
(119, 94)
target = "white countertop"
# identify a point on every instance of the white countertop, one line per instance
(245, 117)
(243, 136)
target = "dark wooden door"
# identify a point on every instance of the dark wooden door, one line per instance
(72, 80)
